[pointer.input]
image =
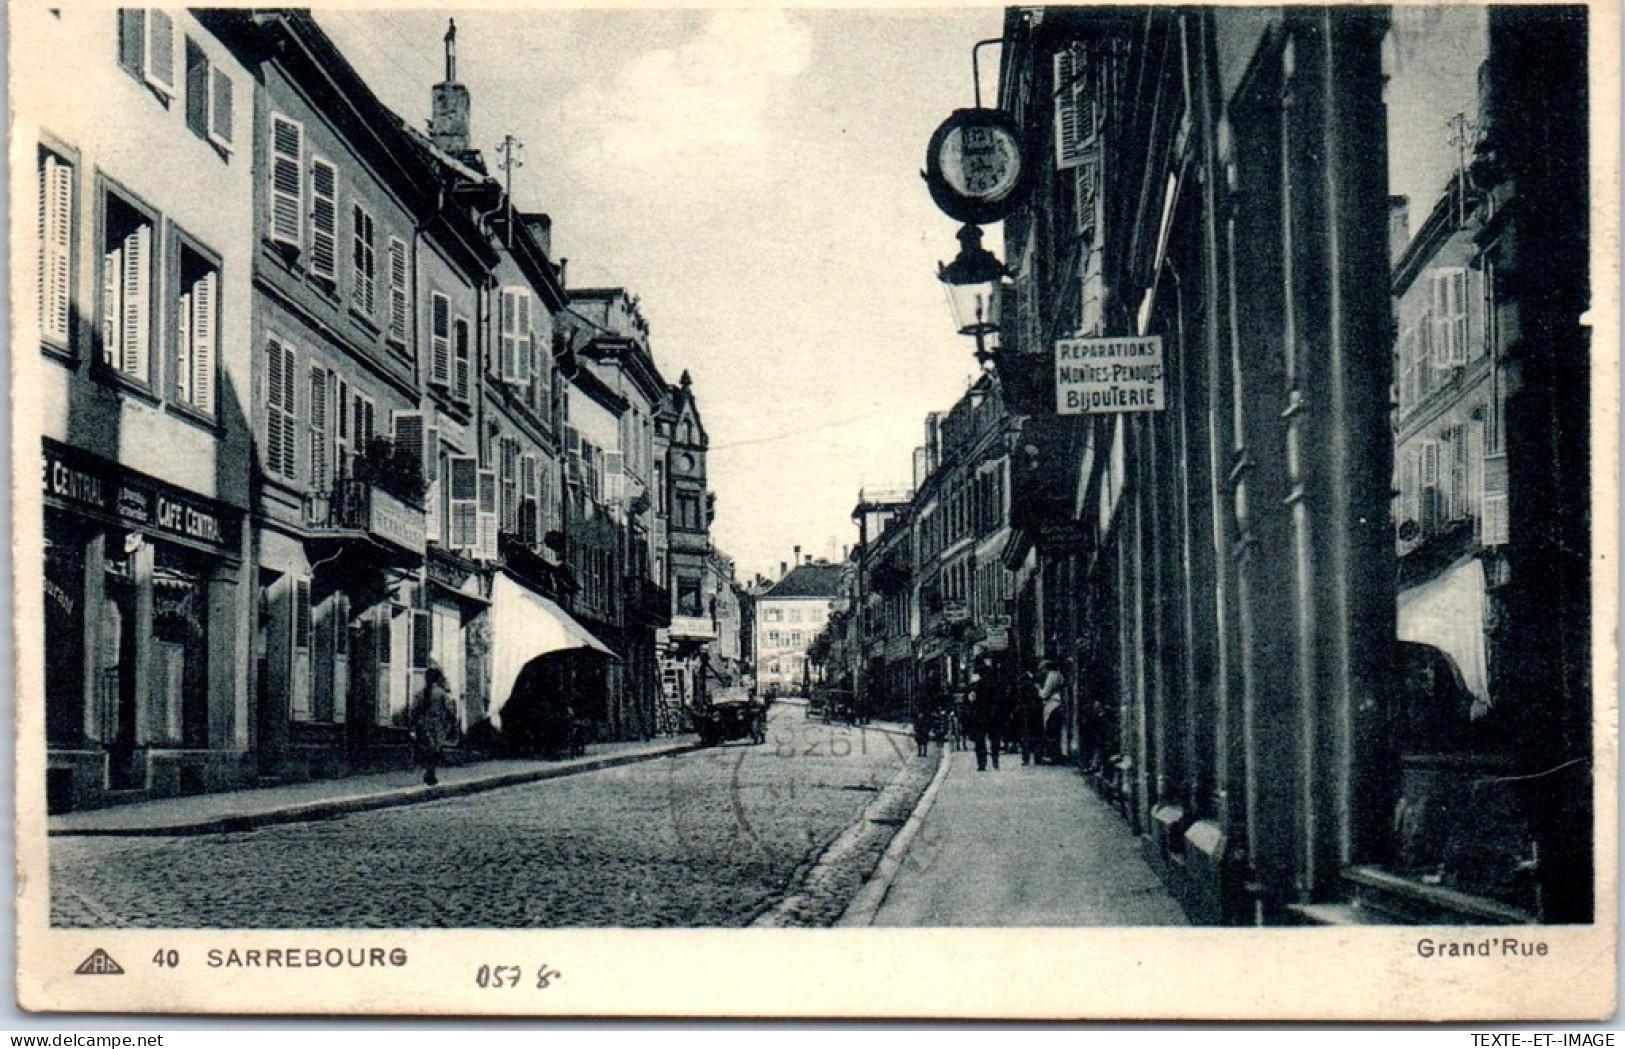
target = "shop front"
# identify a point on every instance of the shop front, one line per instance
(144, 692)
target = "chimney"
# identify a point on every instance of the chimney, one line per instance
(797, 559)
(449, 124)
(1399, 228)
(784, 569)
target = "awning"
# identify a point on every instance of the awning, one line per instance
(525, 625)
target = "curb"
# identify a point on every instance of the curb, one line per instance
(369, 802)
(866, 904)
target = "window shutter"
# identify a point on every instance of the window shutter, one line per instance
(508, 345)
(614, 464)
(1430, 464)
(461, 362)
(422, 638)
(439, 339)
(462, 480)
(197, 88)
(299, 683)
(132, 39)
(220, 107)
(205, 336)
(1074, 111)
(324, 219)
(431, 479)
(1086, 181)
(364, 262)
(399, 304)
(1458, 317)
(318, 428)
(407, 431)
(290, 415)
(134, 349)
(522, 333)
(275, 398)
(488, 515)
(56, 248)
(160, 71)
(287, 181)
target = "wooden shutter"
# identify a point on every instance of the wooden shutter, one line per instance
(439, 339)
(324, 219)
(399, 304)
(299, 692)
(197, 89)
(487, 546)
(460, 363)
(463, 497)
(204, 339)
(508, 343)
(287, 181)
(614, 466)
(275, 397)
(526, 364)
(160, 57)
(132, 39)
(431, 491)
(1074, 111)
(221, 93)
(529, 510)
(365, 264)
(136, 293)
(1458, 317)
(319, 477)
(422, 638)
(407, 431)
(56, 248)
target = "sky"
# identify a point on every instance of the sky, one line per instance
(752, 176)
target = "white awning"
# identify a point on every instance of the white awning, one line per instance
(1449, 613)
(525, 625)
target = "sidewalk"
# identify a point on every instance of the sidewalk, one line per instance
(246, 809)
(1023, 846)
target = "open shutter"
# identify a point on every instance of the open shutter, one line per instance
(220, 107)
(527, 362)
(275, 398)
(439, 339)
(399, 304)
(1074, 111)
(160, 64)
(319, 477)
(463, 492)
(324, 219)
(365, 277)
(56, 248)
(407, 431)
(487, 546)
(460, 362)
(431, 478)
(299, 692)
(287, 181)
(132, 39)
(529, 510)
(205, 335)
(1458, 317)
(614, 466)
(135, 334)
(508, 340)
(290, 414)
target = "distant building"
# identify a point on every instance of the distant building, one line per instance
(789, 616)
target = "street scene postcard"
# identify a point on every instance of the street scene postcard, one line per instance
(1069, 512)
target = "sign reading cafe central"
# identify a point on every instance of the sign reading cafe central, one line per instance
(1102, 376)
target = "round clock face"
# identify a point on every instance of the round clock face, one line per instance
(983, 163)
(974, 165)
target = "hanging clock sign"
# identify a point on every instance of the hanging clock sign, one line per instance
(975, 167)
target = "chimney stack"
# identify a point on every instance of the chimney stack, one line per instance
(449, 126)
(784, 569)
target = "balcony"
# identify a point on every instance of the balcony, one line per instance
(360, 509)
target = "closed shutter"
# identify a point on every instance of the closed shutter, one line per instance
(407, 431)
(439, 339)
(422, 638)
(399, 303)
(160, 71)
(204, 339)
(287, 181)
(324, 220)
(1494, 526)
(279, 413)
(56, 247)
(136, 292)
(487, 547)
(221, 93)
(530, 508)
(463, 498)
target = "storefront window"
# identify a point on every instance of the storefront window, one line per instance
(64, 631)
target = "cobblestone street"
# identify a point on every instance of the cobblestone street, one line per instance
(716, 837)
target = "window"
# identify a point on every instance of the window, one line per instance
(197, 329)
(146, 46)
(320, 463)
(1450, 316)
(208, 98)
(440, 364)
(56, 240)
(280, 420)
(530, 507)
(400, 305)
(361, 421)
(462, 485)
(365, 263)
(688, 512)
(514, 346)
(287, 182)
(324, 220)
(508, 466)
(126, 283)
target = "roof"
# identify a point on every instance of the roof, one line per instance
(815, 580)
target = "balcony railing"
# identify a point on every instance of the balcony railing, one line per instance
(360, 508)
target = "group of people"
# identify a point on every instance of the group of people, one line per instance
(1002, 703)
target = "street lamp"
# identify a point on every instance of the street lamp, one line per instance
(972, 282)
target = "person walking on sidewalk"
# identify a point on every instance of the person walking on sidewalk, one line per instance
(1030, 716)
(432, 724)
(986, 714)
(923, 718)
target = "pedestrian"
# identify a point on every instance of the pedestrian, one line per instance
(986, 715)
(922, 730)
(1030, 715)
(1050, 688)
(432, 723)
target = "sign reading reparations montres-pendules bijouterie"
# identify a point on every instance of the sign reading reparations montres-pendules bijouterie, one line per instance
(1101, 376)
